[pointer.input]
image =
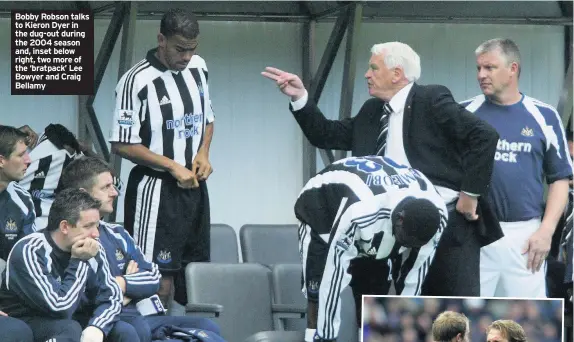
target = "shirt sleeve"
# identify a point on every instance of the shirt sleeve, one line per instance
(129, 111)
(108, 295)
(557, 161)
(30, 279)
(209, 113)
(297, 105)
(145, 282)
(29, 225)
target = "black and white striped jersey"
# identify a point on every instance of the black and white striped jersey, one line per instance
(43, 176)
(349, 205)
(164, 110)
(377, 182)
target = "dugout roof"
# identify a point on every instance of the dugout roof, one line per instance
(527, 12)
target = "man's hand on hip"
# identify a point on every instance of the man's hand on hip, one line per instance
(289, 84)
(466, 205)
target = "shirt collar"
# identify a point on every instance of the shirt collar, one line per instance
(398, 101)
(154, 61)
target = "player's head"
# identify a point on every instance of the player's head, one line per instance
(62, 138)
(505, 330)
(451, 326)
(14, 157)
(415, 221)
(498, 66)
(74, 215)
(94, 176)
(177, 38)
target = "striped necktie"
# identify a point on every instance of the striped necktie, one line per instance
(383, 127)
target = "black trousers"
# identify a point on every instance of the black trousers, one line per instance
(455, 269)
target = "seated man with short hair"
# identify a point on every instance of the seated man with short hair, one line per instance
(137, 277)
(49, 272)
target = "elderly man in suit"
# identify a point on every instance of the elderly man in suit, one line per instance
(425, 128)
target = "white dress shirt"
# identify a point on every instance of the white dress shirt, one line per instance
(395, 148)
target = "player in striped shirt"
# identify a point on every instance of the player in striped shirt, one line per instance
(137, 277)
(50, 273)
(163, 122)
(366, 207)
(531, 150)
(56, 148)
(16, 214)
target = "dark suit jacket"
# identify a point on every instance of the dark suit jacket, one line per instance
(451, 146)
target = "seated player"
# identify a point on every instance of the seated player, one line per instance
(505, 330)
(56, 148)
(451, 326)
(137, 277)
(48, 273)
(367, 207)
(16, 214)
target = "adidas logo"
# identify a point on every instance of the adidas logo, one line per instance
(40, 175)
(164, 101)
(372, 251)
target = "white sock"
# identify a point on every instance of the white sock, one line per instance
(309, 334)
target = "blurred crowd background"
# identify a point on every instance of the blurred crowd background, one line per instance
(400, 319)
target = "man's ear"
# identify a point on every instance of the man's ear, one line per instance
(398, 74)
(514, 67)
(65, 227)
(2, 160)
(161, 40)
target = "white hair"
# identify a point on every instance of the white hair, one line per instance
(397, 54)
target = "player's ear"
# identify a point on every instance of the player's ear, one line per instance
(161, 40)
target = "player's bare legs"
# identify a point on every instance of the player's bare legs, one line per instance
(312, 313)
(165, 286)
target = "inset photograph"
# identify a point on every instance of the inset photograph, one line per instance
(442, 319)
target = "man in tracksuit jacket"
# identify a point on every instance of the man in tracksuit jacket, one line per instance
(48, 273)
(137, 277)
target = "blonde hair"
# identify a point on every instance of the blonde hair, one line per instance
(509, 330)
(448, 325)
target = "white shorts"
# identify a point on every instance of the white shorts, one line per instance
(503, 271)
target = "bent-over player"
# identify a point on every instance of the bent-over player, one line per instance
(364, 207)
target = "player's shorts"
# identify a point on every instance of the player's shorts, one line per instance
(171, 225)
(503, 271)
